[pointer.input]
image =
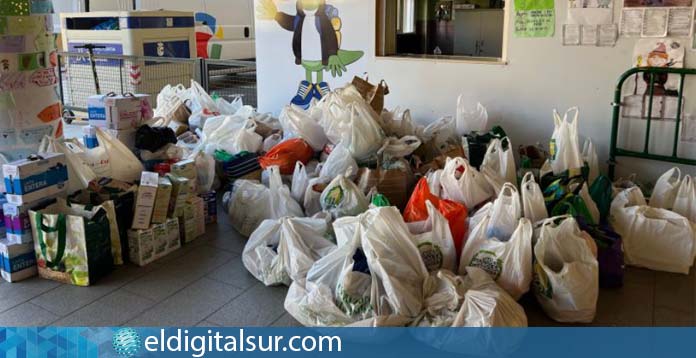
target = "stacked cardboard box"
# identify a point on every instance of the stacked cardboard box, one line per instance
(17, 261)
(120, 115)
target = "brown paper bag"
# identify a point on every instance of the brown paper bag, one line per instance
(395, 184)
(373, 94)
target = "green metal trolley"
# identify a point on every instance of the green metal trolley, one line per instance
(651, 76)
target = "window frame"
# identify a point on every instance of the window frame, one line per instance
(383, 43)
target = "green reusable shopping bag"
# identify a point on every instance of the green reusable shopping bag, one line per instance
(71, 248)
(575, 206)
(601, 193)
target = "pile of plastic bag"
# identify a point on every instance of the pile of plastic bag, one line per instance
(372, 219)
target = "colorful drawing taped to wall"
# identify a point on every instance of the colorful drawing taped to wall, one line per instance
(15, 7)
(44, 77)
(12, 44)
(32, 61)
(50, 113)
(3, 25)
(657, 3)
(316, 44)
(206, 29)
(667, 53)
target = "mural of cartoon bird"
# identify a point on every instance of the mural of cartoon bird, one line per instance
(316, 44)
(206, 29)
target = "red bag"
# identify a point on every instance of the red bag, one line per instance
(287, 154)
(455, 213)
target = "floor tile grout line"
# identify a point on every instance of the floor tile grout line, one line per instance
(33, 297)
(181, 289)
(229, 301)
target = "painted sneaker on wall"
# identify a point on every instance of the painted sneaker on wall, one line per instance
(304, 95)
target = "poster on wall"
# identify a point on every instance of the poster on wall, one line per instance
(668, 53)
(305, 45)
(534, 18)
(590, 23)
(649, 18)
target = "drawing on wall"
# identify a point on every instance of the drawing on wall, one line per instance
(655, 53)
(206, 29)
(316, 44)
(657, 3)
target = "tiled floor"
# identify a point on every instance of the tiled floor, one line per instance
(205, 284)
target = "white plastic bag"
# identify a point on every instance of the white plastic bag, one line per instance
(312, 196)
(685, 201)
(589, 155)
(343, 198)
(205, 171)
(79, 173)
(398, 123)
(468, 187)
(440, 131)
(653, 238)
(533, 199)
(434, 183)
(399, 147)
(300, 180)
(298, 123)
(666, 189)
(248, 206)
(272, 141)
(281, 202)
(566, 274)
(251, 203)
(229, 108)
(501, 161)
(505, 214)
(376, 271)
(509, 262)
(283, 250)
(565, 145)
(470, 117)
(200, 103)
(243, 140)
(124, 165)
(339, 162)
(434, 241)
(487, 305)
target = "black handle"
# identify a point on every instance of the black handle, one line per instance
(247, 31)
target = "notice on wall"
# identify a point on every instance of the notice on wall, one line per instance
(534, 18)
(590, 35)
(657, 22)
(590, 12)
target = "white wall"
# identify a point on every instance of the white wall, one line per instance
(541, 75)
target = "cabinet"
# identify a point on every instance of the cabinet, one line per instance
(479, 33)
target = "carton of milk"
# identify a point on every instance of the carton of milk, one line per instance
(17, 261)
(145, 201)
(35, 178)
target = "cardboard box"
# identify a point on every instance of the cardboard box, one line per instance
(141, 246)
(187, 225)
(123, 112)
(209, 207)
(17, 223)
(160, 240)
(197, 206)
(96, 111)
(180, 193)
(145, 201)
(173, 240)
(146, 110)
(35, 178)
(187, 169)
(17, 261)
(164, 194)
(125, 136)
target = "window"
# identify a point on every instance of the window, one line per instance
(457, 29)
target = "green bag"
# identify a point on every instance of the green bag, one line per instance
(72, 245)
(380, 201)
(601, 193)
(575, 206)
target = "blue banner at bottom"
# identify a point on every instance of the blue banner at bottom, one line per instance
(345, 342)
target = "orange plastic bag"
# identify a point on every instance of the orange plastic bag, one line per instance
(455, 213)
(287, 154)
